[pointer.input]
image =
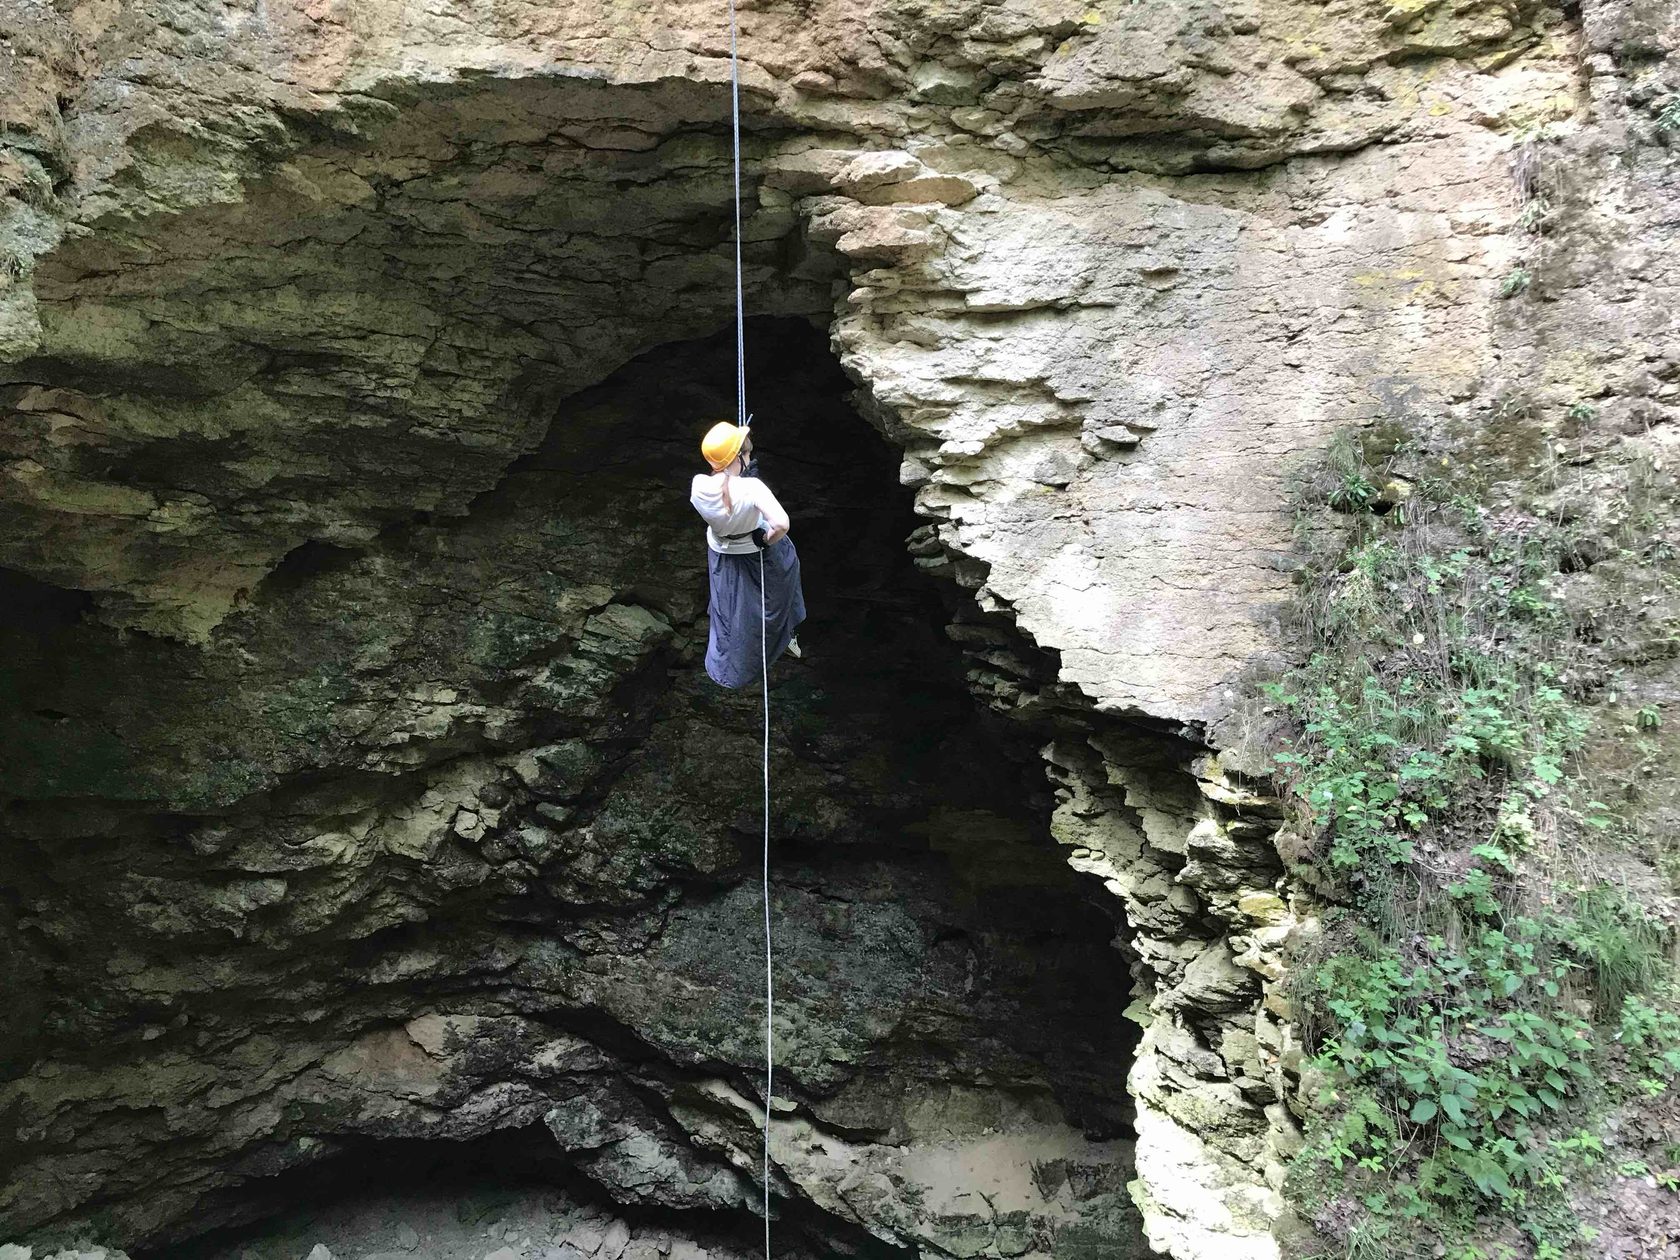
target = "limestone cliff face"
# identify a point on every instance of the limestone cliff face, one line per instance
(347, 605)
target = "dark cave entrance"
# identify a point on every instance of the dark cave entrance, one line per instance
(945, 978)
(881, 706)
(457, 1200)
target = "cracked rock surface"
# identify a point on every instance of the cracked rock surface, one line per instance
(448, 836)
(356, 782)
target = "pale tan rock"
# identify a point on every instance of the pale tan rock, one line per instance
(923, 189)
(870, 171)
(1264, 907)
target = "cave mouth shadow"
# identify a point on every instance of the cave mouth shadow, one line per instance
(946, 797)
(949, 795)
(883, 697)
(356, 1200)
(500, 1165)
(958, 802)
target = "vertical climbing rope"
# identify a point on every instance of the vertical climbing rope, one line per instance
(740, 305)
(741, 417)
(769, 987)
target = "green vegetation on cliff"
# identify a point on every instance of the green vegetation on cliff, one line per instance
(1494, 989)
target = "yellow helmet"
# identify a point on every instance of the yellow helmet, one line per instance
(722, 443)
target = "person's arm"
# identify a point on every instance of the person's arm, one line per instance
(776, 521)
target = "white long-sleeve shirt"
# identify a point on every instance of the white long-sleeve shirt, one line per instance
(754, 507)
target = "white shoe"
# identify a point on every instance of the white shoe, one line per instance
(794, 650)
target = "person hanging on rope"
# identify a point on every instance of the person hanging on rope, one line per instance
(746, 539)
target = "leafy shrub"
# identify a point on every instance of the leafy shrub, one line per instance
(1464, 1006)
(1651, 1036)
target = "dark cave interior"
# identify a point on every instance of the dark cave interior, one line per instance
(219, 864)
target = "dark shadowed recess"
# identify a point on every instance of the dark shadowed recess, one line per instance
(480, 1177)
(30, 607)
(140, 763)
(953, 789)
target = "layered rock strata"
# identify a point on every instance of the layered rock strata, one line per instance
(278, 280)
(448, 836)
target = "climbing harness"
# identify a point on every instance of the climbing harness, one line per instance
(744, 418)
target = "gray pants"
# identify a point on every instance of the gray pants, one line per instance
(732, 648)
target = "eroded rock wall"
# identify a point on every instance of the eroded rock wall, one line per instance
(448, 836)
(283, 275)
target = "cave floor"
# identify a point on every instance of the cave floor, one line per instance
(484, 1222)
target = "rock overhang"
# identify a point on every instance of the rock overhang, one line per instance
(365, 327)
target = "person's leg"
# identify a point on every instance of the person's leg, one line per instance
(732, 634)
(742, 650)
(786, 598)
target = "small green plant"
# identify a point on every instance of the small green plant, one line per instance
(1588, 1146)
(1668, 117)
(1353, 494)
(1582, 411)
(1344, 482)
(1534, 214)
(1516, 281)
(1650, 1036)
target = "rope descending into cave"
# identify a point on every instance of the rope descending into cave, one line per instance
(740, 305)
(769, 987)
(742, 417)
